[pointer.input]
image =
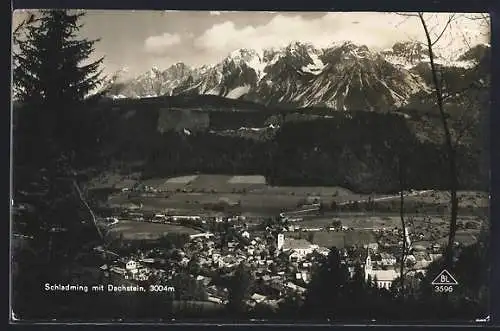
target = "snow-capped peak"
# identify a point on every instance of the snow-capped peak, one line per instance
(249, 57)
(119, 76)
(243, 54)
(406, 54)
(154, 72)
(343, 76)
(298, 45)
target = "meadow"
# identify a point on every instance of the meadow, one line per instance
(133, 230)
(195, 193)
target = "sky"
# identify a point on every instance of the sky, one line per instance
(139, 40)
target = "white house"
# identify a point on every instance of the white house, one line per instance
(184, 261)
(306, 276)
(216, 300)
(384, 278)
(387, 259)
(245, 234)
(299, 248)
(352, 271)
(258, 298)
(186, 218)
(372, 246)
(131, 266)
(205, 235)
(280, 241)
(140, 277)
(323, 251)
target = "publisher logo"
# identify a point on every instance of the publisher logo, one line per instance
(444, 282)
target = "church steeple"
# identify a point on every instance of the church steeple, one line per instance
(368, 264)
(280, 241)
(407, 237)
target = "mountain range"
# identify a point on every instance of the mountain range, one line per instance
(344, 76)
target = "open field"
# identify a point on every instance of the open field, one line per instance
(269, 204)
(322, 191)
(466, 199)
(194, 192)
(353, 221)
(226, 183)
(273, 204)
(144, 230)
(163, 184)
(330, 239)
(341, 239)
(207, 183)
(465, 237)
(247, 180)
(222, 184)
(359, 221)
(181, 180)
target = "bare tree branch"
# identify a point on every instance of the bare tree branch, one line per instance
(449, 144)
(408, 14)
(401, 214)
(402, 21)
(480, 17)
(450, 19)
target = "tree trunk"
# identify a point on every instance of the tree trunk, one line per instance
(403, 223)
(449, 145)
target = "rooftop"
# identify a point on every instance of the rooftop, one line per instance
(296, 244)
(384, 275)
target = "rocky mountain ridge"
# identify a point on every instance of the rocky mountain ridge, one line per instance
(344, 76)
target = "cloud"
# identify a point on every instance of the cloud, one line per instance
(376, 30)
(215, 13)
(158, 44)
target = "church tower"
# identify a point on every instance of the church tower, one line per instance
(407, 238)
(281, 241)
(368, 264)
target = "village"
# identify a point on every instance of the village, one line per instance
(192, 252)
(281, 264)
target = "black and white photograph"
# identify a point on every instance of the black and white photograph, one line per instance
(222, 166)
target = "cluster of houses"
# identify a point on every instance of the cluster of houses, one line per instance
(383, 268)
(286, 269)
(129, 269)
(276, 278)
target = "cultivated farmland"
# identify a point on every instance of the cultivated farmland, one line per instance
(144, 230)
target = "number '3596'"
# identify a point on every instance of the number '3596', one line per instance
(443, 288)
